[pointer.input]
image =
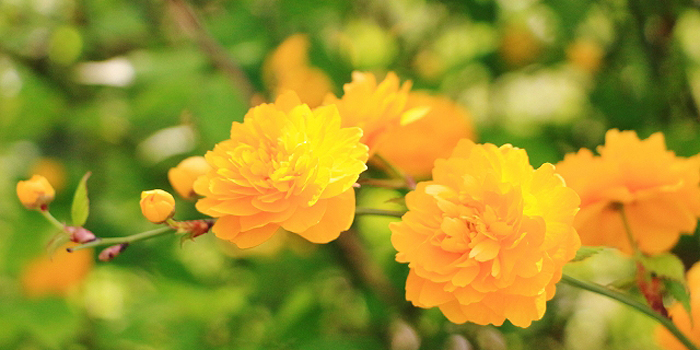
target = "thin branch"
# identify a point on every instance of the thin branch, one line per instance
(192, 27)
(625, 299)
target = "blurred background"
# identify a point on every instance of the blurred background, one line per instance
(128, 88)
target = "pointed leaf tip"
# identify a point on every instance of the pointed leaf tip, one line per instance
(81, 203)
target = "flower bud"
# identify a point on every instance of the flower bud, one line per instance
(157, 205)
(111, 252)
(182, 176)
(80, 235)
(36, 192)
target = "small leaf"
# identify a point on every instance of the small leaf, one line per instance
(666, 266)
(586, 252)
(59, 239)
(81, 203)
(679, 292)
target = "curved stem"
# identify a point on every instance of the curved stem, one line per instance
(380, 212)
(625, 299)
(50, 218)
(126, 239)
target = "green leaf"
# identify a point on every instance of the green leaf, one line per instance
(59, 239)
(81, 203)
(679, 291)
(666, 266)
(586, 252)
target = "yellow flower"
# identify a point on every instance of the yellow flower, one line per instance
(157, 205)
(585, 54)
(53, 170)
(375, 108)
(660, 192)
(35, 192)
(58, 274)
(415, 147)
(487, 238)
(284, 166)
(677, 312)
(182, 176)
(288, 68)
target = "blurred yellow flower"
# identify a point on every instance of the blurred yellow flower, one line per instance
(660, 192)
(690, 329)
(414, 147)
(288, 68)
(182, 176)
(585, 54)
(35, 192)
(57, 274)
(53, 170)
(375, 108)
(157, 205)
(487, 238)
(284, 166)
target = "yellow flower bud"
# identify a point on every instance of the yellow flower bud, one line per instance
(182, 176)
(35, 192)
(157, 205)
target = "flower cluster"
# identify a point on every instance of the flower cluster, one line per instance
(660, 192)
(285, 166)
(487, 238)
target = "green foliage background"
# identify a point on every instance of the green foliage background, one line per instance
(205, 295)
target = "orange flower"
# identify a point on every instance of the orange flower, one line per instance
(659, 191)
(487, 238)
(58, 274)
(157, 205)
(182, 176)
(680, 316)
(287, 68)
(415, 147)
(35, 192)
(284, 166)
(376, 108)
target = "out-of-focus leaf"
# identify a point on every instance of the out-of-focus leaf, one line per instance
(666, 266)
(679, 291)
(81, 203)
(586, 252)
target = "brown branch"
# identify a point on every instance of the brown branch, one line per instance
(192, 27)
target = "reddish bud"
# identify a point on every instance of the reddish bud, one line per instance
(80, 235)
(112, 252)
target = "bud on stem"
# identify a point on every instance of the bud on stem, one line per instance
(112, 252)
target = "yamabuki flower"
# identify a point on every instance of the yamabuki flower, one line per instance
(58, 274)
(659, 191)
(487, 238)
(157, 205)
(35, 192)
(375, 108)
(288, 68)
(286, 166)
(414, 148)
(182, 176)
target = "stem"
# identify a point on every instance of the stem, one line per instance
(380, 212)
(395, 184)
(191, 25)
(394, 171)
(628, 231)
(119, 240)
(50, 218)
(625, 299)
